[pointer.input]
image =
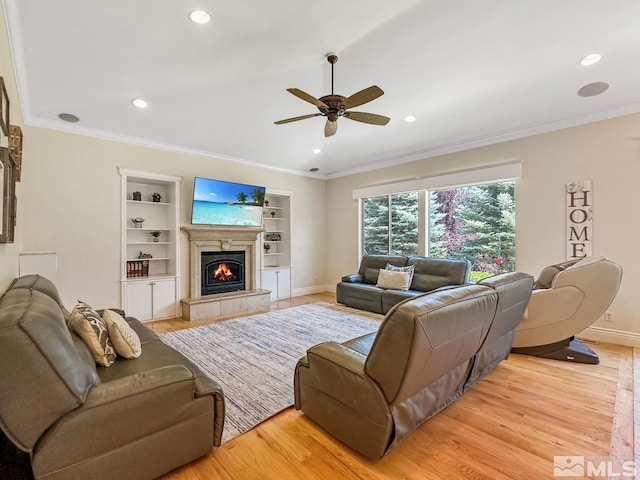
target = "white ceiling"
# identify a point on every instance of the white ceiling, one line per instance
(472, 72)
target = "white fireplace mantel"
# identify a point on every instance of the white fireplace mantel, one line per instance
(211, 238)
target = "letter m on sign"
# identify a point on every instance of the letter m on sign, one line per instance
(579, 220)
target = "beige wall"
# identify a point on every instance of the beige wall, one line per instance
(607, 152)
(71, 205)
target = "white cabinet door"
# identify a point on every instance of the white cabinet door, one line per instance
(138, 300)
(151, 299)
(284, 283)
(164, 298)
(269, 281)
(278, 280)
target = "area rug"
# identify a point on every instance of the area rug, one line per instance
(253, 358)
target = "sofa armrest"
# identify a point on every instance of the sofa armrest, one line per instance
(138, 384)
(339, 371)
(353, 278)
(120, 413)
(332, 389)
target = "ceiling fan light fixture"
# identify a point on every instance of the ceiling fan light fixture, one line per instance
(334, 106)
(199, 16)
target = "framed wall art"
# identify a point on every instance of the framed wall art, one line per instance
(15, 149)
(4, 108)
(8, 208)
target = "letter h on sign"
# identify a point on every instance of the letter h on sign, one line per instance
(579, 220)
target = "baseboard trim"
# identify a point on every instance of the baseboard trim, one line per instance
(608, 335)
(298, 292)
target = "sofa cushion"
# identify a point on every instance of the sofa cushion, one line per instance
(124, 338)
(393, 280)
(371, 264)
(433, 273)
(410, 269)
(40, 284)
(86, 322)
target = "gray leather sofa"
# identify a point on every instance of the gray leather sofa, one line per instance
(371, 392)
(359, 290)
(136, 419)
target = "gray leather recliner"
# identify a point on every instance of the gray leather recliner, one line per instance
(371, 392)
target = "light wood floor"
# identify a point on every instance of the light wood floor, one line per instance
(509, 426)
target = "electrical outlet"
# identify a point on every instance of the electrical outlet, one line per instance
(608, 317)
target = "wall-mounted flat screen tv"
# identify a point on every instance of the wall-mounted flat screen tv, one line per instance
(216, 202)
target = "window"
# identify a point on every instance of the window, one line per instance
(390, 224)
(475, 222)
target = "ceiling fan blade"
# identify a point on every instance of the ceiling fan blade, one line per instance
(371, 118)
(307, 98)
(363, 96)
(330, 128)
(295, 119)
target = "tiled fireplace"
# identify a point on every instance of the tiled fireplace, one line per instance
(223, 272)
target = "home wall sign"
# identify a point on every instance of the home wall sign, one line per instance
(579, 220)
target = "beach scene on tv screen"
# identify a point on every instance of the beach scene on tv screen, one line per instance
(226, 203)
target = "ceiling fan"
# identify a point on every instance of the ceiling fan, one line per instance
(334, 106)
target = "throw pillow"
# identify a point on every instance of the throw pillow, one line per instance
(393, 280)
(124, 338)
(86, 322)
(407, 268)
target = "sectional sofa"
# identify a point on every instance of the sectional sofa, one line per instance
(371, 392)
(365, 289)
(135, 419)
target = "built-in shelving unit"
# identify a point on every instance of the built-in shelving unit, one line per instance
(276, 244)
(150, 269)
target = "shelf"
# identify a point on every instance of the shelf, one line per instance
(274, 241)
(145, 229)
(149, 243)
(154, 295)
(149, 277)
(145, 202)
(272, 254)
(154, 259)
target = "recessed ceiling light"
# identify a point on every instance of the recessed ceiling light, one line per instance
(410, 119)
(591, 59)
(199, 16)
(316, 150)
(68, 117)
(138, 102)
(314, 169)
(593, 89)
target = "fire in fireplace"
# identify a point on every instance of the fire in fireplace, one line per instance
(222, 272)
